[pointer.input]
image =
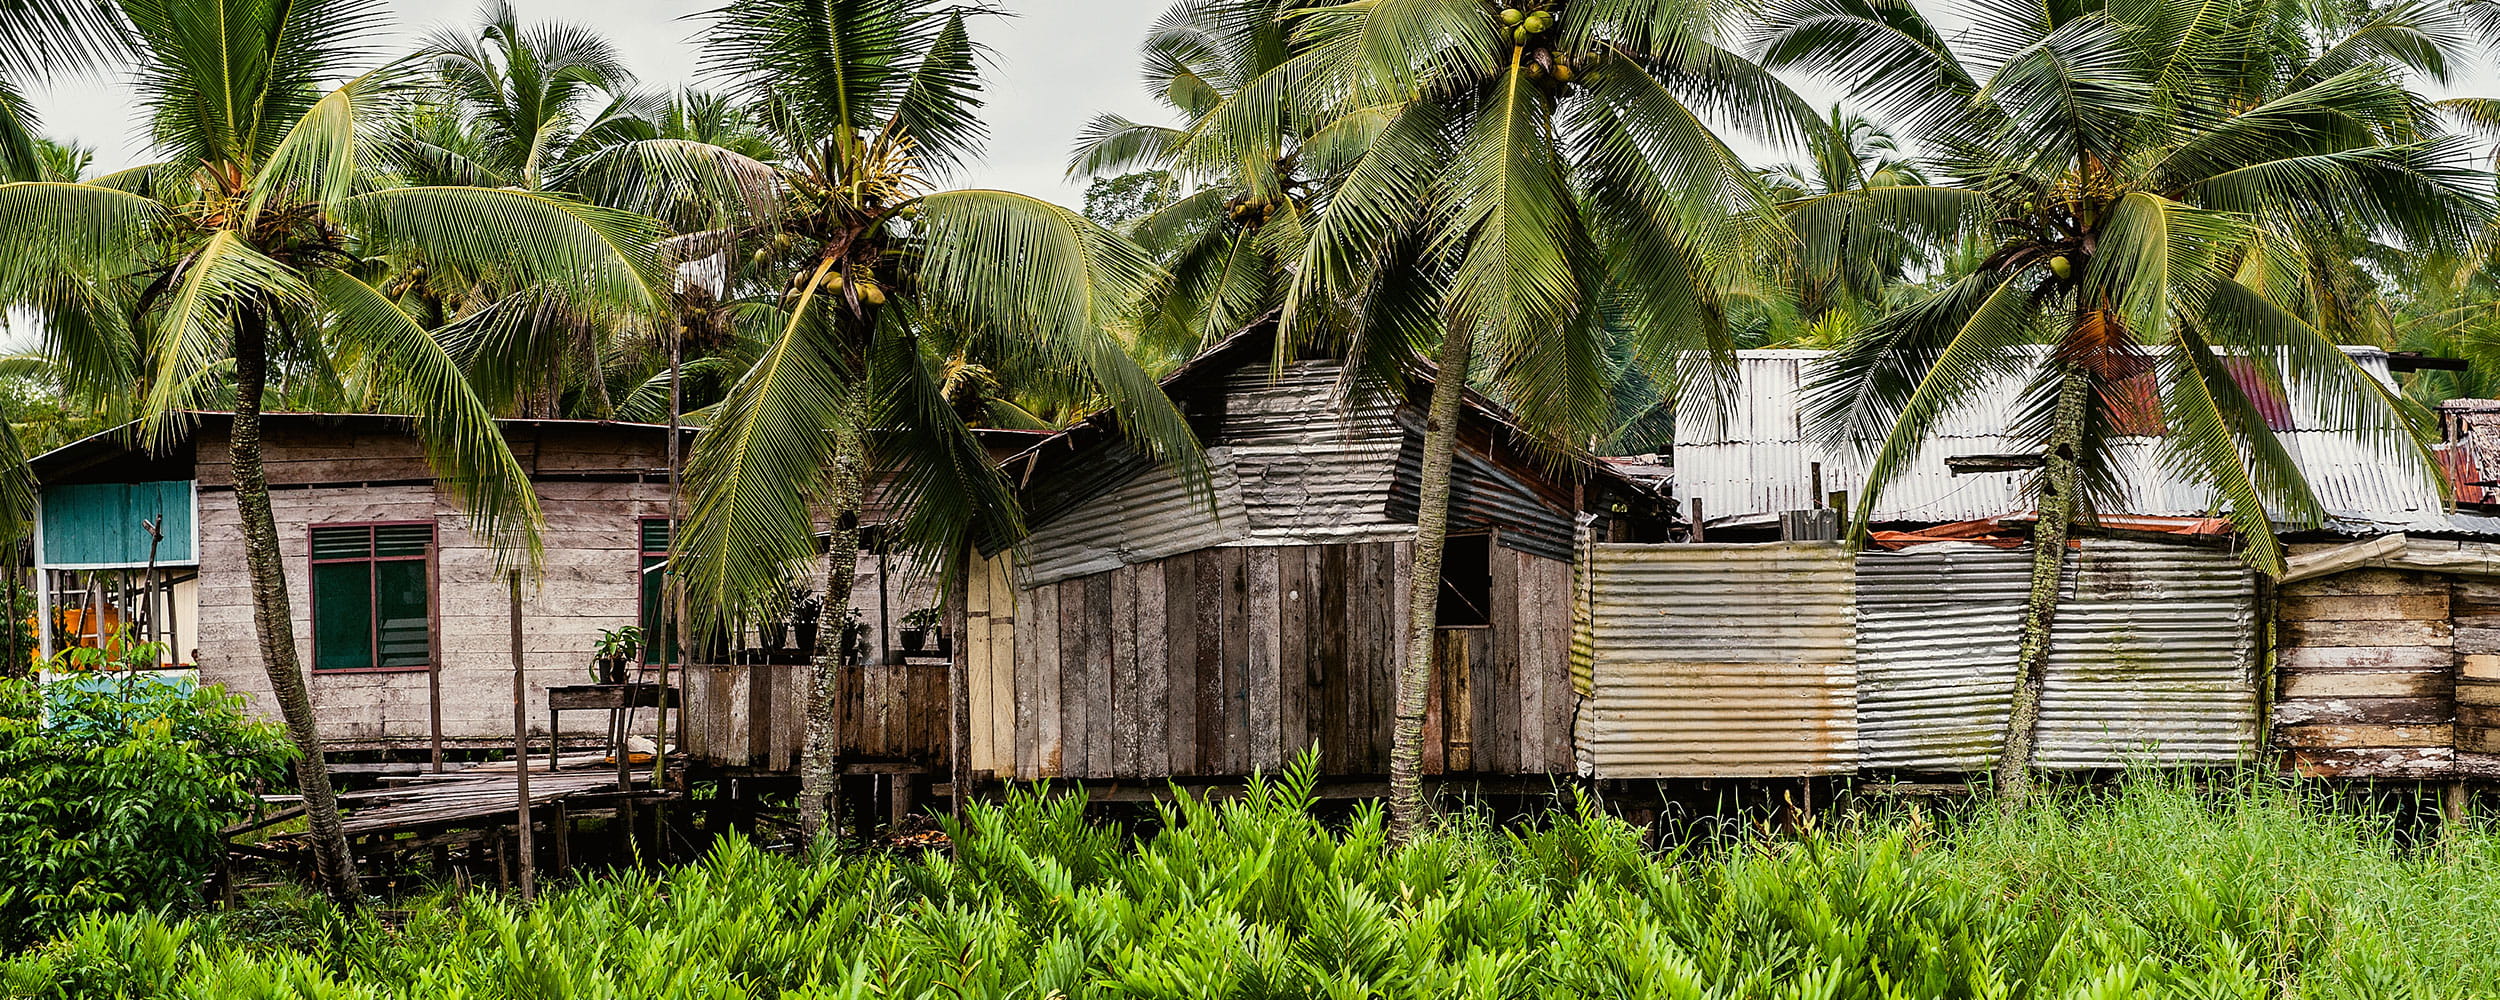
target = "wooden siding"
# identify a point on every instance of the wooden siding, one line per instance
(2365, 674)
(592, 501)
(755, 715)
(1229, 659)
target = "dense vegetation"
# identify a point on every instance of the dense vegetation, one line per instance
(2158, 889)
(113, 792)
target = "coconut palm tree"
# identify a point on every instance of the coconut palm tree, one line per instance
(255, 238)
(44, 40)
(1236, 219)
(868, 272)
(533, 106)
(1518, 181)
(2152, 184)
(1853, 269)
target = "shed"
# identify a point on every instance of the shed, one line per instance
(1148, 628)
(2389, 660)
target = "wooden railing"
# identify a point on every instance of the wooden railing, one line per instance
(754, 716)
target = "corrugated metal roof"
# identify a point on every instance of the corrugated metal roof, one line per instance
(1720, 661)
(2152, 657)
(1755, 460)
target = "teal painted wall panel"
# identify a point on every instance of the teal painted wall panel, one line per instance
(98, 524)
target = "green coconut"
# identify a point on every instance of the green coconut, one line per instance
(2062, 267)
(1513, 15)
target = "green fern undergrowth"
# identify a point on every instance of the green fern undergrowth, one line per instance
(2161, 886)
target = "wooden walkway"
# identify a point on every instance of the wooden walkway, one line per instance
(480, 794)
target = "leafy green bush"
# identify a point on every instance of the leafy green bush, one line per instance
(113, 793)
(2161, 890)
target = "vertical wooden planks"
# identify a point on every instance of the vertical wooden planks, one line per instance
(1153, 641)
(1266, 622)
(1339, 698)
(1075, 655)
(1235, 700)
(1207, 604)
(1125, 680)
(977, 665)
(1292, 650)
(1180, 583)
(1503, 711)
(1028, 697)
(1099, 679)
(1005, 611)
(1048, 745)
(1545, 657)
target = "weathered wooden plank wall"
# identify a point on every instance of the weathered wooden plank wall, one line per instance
(2474, 611)
(1229, 659)
(2365, 674)
(591, 493)
(755, 715)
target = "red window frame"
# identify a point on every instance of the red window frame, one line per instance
(433, 647)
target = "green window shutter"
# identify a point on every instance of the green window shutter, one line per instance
(402, 629)
(655, 534)
(342, 543)
(342, 615)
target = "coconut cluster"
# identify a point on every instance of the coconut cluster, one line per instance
(1532, 31)
(1252, 210)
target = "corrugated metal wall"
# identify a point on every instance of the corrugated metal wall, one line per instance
(2153, 656)
(1720, 661)
(1289, 465)
(1755, 459)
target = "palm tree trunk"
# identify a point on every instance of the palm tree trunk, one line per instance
(820, 764)
(1432, 522)
(273, 617)
(2059, 500)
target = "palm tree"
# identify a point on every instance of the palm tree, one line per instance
(2151, 186)
(1852, 271)
(42, 40)
(534, 106)
(1236, 217)
(1524, 179)
(255, 236)
(868, 274)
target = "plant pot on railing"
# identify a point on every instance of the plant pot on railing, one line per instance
(915, 639)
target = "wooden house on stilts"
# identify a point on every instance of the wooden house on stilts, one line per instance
(1151, 628)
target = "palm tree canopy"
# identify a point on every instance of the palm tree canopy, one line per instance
(2158, 192)
(1538, 184)
(866, 278)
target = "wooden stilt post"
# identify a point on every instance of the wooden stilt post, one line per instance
(521, 748)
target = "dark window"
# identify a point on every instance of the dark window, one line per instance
(372, 606)
(657, 631)
(1466, 581)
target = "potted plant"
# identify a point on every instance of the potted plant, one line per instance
(805, 609)
(616, 650)
(916, 628)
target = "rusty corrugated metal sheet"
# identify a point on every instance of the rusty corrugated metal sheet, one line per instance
(1938, 627)
(1721, 660)
(1754, 459)
(2153, 657)
(1313, 468)
(1151, 516)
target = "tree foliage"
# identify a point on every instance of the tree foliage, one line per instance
(115, 792)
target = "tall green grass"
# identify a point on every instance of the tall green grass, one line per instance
(2158, 889)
